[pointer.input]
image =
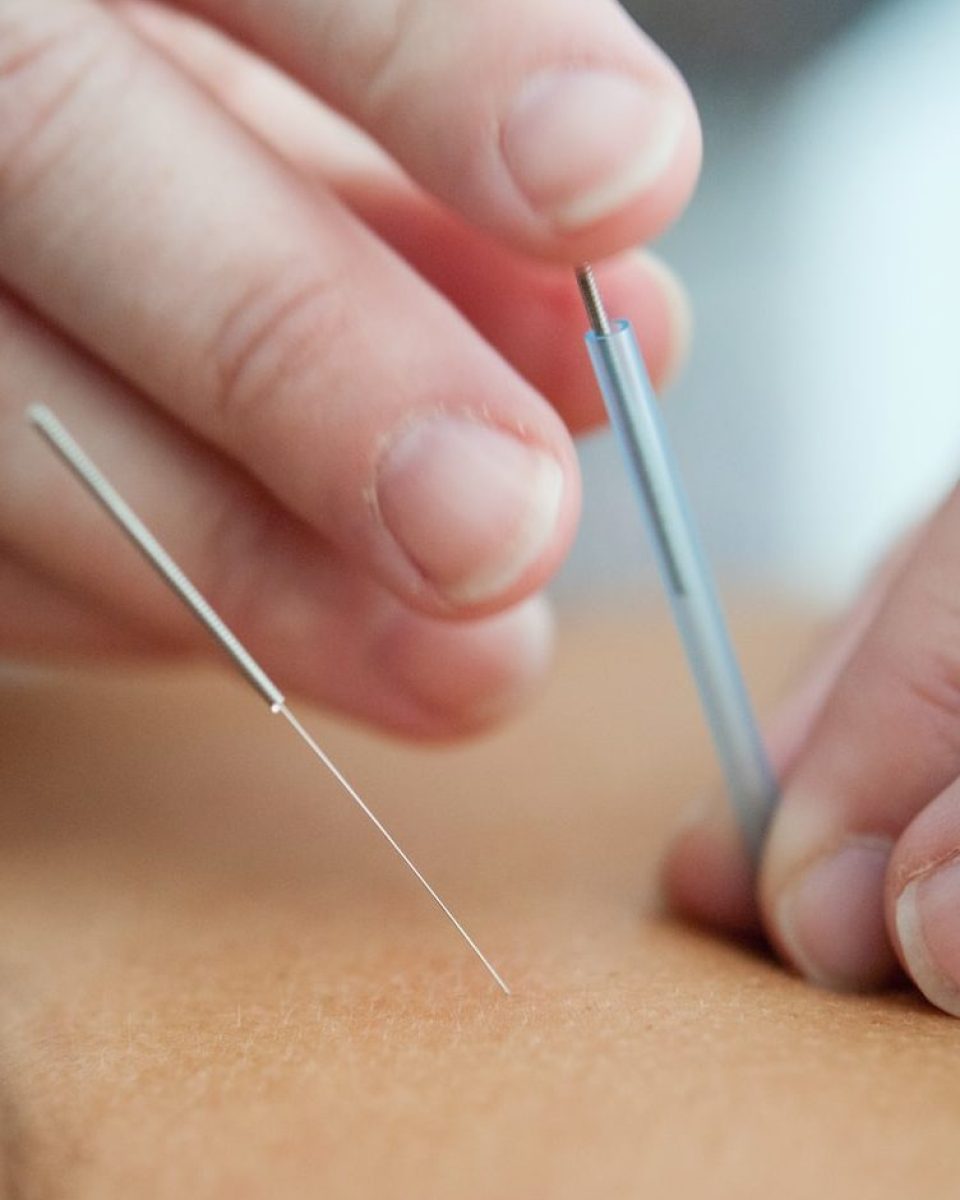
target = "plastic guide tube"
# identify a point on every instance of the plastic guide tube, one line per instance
(628, 394)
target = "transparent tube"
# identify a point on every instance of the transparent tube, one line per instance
(627, 392)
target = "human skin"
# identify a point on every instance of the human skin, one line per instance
(217, 982)
(324, 335)
(858, 878)
(341, 379)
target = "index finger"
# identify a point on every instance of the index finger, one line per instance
(556, 124)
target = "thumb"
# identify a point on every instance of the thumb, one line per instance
(885, 744)
(707, 874)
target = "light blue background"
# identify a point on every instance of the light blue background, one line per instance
(820, 413)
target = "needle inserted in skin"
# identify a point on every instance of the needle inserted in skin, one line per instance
(351, 791)
(625, 386)
(51, 429)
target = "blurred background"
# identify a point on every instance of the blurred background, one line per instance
(820, 412)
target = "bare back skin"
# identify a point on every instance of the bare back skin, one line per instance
(216, 982)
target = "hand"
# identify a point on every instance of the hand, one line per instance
(341, 392)
(860, 872)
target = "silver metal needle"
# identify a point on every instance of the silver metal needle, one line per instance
(52, 430)
(593, 301)
(372, 816)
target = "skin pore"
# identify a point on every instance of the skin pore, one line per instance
(215, 981)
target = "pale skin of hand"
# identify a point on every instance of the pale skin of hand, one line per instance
(345, 393)
(323, 334)
(858, 879)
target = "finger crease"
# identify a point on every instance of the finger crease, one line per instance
(266, 337)
(24, 118)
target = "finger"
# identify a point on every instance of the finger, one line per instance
(886, 742)
(707, 874)
(39, 619)
(317, 626)
(923, 900)
(320, 143)
(144, 222)
(530, 312)
(555, 123)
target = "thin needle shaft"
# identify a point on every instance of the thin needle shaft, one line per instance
(285, 712)
(55, 434)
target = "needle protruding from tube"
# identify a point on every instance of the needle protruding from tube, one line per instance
(593, 301)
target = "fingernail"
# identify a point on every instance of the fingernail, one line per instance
(831, 919)
(471, 674)
(581, 143)
(472, 507)
(928, 926)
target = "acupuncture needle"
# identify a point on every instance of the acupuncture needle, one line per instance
(55, 434)
(628, 395)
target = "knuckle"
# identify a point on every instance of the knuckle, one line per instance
(269, 338)
(46, 54)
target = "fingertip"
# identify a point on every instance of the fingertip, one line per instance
(582, 138)
(927, 934)
(707, 875)
(822, 890)
(592, 150)
(481, 513)
(546, 338)
(456, 678)
(534, 314)
(641, 286)
(924, 898)
(648, 212)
